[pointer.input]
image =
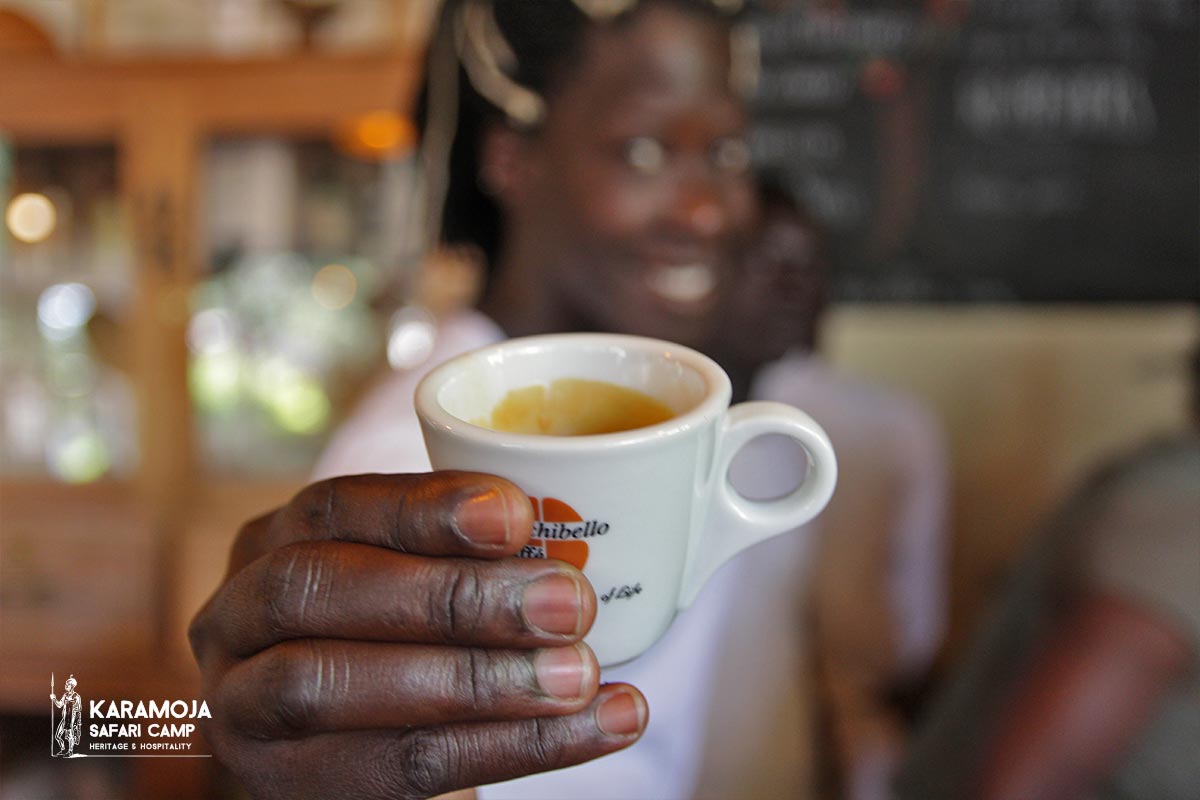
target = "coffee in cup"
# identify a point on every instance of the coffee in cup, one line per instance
(575, 407)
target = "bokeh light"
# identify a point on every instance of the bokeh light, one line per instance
(78, 455)
(295, 400)
(215, 381)
(378, 135)
(334, 286)
(411, 337)
(300, 407)
(212, 331)
(64, 308)
(31, 217)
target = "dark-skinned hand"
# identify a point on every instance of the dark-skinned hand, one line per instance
(373, 638)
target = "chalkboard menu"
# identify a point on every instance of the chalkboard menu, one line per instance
(990, 150)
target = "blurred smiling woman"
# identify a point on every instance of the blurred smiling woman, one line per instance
(594, 153)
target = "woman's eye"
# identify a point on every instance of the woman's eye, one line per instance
(645, 155)
(731, 155)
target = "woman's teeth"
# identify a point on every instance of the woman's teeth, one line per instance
(687, 283)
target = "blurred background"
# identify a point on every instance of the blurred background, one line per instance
(202, 266)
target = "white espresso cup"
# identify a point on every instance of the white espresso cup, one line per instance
(648, 513)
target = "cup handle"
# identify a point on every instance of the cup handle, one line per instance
(731, 522)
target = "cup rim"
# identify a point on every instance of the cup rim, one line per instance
(714, 402)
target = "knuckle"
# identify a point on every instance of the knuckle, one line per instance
(430, 761)
(290, 689)
(470, 677)
(292, 582)
(315, 505)
(458, 606)
(427, 762)
(199, 633)
(250, 540)
(542, 748)
(416, 509)
(543, 745)
(485, 679)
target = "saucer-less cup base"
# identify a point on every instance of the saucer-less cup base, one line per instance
(648, 514)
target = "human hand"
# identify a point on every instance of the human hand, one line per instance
(373, 638)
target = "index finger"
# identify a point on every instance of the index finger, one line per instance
(448, 513)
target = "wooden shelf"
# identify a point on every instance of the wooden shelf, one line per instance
(45, 98)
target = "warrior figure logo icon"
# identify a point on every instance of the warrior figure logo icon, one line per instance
(71, 725)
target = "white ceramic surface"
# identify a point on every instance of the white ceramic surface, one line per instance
(654, 513)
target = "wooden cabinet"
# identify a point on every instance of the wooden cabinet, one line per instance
(101, 579)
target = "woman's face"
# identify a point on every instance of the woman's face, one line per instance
(638, 190)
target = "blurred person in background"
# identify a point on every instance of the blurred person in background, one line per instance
(871, 571)
(372, 638)
(1086, 681)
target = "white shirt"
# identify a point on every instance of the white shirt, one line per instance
(885, 442)
(724, 686)
(760, 741)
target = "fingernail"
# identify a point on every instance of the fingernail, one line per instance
(483, 518)
(562, 672)
(553, 604)
(621, 714)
